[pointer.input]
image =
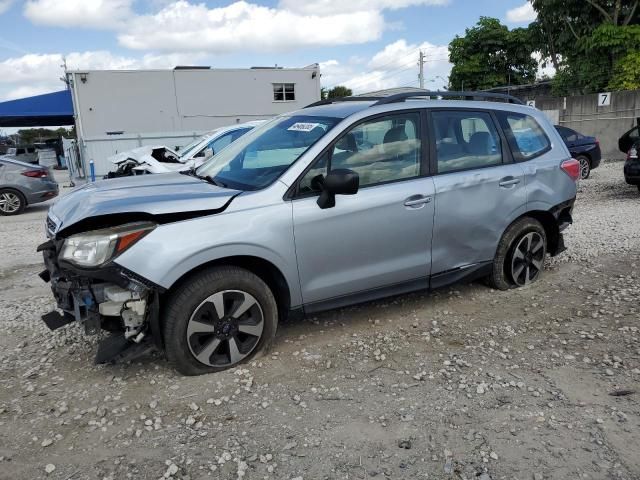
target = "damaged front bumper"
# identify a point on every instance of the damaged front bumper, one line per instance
(109, 298)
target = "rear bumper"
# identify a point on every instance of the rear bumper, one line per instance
(632, 172)
(596, 157)
(42, 192)
(563, 215)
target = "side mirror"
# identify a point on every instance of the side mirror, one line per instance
(341, 181)
(208, 153)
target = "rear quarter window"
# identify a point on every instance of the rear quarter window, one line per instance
(526, 137)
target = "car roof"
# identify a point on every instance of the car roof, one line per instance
(229, 128)
(14, 161)
(336, 110)
(345, 109)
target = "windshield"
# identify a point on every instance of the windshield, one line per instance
(258, 158)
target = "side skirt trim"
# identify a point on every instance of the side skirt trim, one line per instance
(468, 272)
(367, 295)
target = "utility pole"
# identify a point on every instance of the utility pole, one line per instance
(421, 65)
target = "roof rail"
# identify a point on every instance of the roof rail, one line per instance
(328, 101)
(401, 97)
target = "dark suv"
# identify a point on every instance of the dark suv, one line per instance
(629, 143)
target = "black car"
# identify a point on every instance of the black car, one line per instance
(583, 148)
(629, 143)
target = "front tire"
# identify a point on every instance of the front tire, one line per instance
(520, 255)
(218, 319)
(585, 166)
(12, 202)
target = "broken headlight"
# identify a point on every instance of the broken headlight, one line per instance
(92, 249)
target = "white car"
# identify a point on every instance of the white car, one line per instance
(162, 159)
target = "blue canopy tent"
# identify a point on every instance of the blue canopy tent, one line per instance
(50, 109)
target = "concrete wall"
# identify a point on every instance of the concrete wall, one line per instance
(583, 114)
(117, 109)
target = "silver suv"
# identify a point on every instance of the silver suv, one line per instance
(331, 205)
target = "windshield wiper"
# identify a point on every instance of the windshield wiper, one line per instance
(212, 181)
(206, 178)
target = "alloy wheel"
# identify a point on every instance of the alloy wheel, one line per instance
(9, 202)
(225, 328)
(585, 168)
(528, 259)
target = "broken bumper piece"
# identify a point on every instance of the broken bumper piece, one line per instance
(109, 298)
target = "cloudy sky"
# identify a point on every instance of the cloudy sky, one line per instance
(364, 44)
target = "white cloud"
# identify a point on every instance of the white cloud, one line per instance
(395, 54)
(183, 26)
(327, 7)
(5, 5)
(522, 14)
(40, 73)
(102, 14)
(393, 66)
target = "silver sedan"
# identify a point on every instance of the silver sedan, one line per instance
(23, 184)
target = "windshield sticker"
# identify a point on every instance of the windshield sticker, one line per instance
(303, 127)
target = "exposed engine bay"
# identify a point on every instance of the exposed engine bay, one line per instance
(110, 299)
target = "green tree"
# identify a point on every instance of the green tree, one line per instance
(491, 55)
(34, 135)
(589, 42)
(339, 91)
(626, 74)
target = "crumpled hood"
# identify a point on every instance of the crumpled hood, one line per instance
(156, 195)
(139, 153)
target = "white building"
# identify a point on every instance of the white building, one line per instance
(116, 110)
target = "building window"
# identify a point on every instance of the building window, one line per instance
(284, 92)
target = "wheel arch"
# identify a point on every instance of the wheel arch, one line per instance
(262, 268)
(586, 155)
(16, 190)
(550, 225)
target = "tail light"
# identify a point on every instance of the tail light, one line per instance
(632, 154)
(572, 168)
(36, 173)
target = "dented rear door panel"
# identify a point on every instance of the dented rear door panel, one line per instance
(472, 211)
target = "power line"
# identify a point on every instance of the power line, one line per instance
(421, 66)
(378, 74)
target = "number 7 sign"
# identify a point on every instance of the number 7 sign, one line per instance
(604, 99)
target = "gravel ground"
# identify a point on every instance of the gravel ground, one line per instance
(461, 383)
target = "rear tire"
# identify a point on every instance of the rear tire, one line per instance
(520, 255)
(12, 202)
(218, 319)
(585, 166)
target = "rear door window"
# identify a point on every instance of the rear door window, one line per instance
(465, 140)
(525, 135)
